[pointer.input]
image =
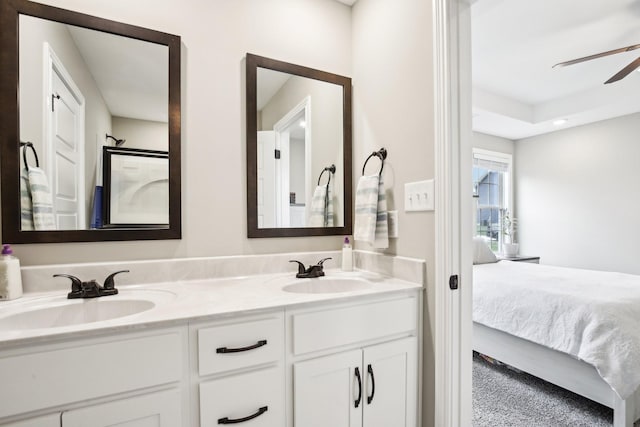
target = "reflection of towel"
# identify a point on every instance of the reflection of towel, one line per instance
(371, 212)
(26, 208)
(322, 207)
(41, 201)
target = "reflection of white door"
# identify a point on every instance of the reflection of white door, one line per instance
(266, 179)
(64, 144)
(287, 129)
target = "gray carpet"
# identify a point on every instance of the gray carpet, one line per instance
(503, 397)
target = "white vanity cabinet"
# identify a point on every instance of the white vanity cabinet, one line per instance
(133, 376)
(372, 387)
(238, 371)
(51, 420)
(160, 409)
(349, 361)
(355, 365)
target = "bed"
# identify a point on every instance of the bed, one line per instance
(578, 329)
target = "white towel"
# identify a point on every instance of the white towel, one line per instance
(26, 208)
(322, 207)
(42, 204)
(371, 212)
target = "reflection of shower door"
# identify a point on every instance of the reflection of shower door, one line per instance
(64, 148)
(266, 179)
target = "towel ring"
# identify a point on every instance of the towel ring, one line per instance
(24, 146)
(331, 169)
(381, 154)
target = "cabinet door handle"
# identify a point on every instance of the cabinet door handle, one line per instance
(227, 420)
(359, 399)
(240, 349)
(373, 384)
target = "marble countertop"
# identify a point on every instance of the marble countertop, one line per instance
(191, 300)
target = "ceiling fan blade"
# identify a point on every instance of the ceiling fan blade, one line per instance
(624, 72)
(598, 55)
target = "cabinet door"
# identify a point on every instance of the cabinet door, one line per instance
(52, 420)
(326, 391)
(160, 409)
(390, 378)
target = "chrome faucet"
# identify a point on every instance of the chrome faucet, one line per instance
(91, 289)
(313, 270)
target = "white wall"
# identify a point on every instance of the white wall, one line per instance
(143, 134)
(297, 169)
(393, 108)
(578, 195)
(493, 143)
(216, 35)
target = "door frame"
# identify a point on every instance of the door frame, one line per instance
(282, 173)
(52, 64)
(453, 214)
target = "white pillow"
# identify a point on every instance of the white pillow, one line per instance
(482, 254)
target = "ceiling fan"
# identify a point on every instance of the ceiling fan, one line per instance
(620, 74)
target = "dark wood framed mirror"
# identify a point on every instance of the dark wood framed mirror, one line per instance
(299, 150)
(72, 84)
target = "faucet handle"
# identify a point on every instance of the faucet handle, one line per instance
(76, 284)
(301, 269)
(109, 283)
(323, 260)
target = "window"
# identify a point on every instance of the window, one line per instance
(492, 192)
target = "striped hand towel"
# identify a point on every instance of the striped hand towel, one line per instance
(382, 224)
(26, 208)
(322, 207)
(371, 212)
(43, 218)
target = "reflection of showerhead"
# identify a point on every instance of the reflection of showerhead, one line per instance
(119, 142)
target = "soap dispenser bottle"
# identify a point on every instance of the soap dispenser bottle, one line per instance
(347, 255)
(10, 279)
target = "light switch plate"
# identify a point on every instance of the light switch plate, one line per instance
(392, 224)
(419, 196)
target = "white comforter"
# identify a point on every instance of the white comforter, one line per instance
(592, 315)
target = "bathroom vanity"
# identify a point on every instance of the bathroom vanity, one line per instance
(253, 349)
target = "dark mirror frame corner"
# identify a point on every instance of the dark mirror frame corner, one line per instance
(10, 10)
(253, 62)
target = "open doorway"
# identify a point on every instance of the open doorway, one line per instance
(571, 137)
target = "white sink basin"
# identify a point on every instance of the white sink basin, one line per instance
(55, 312)
(326, 285)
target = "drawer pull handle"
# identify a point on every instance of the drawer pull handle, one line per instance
(373, 385)
(240, 349)
(359, 399)
(227, 420)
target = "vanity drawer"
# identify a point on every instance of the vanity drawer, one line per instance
(318, 330)
(240, 345)
(56, 375)
(258, 394)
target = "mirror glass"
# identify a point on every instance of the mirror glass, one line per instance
(84, 85)
(136, 188)
(301, 131)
